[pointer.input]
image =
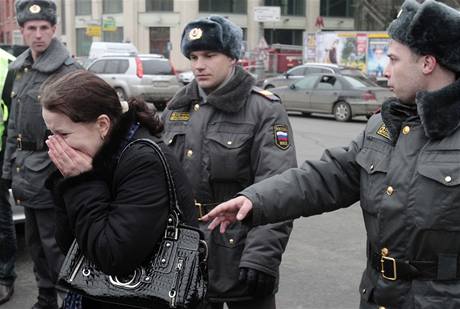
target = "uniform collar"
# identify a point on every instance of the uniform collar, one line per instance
(53, 57)
(231, 97)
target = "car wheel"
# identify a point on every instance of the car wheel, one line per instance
(269, 87)
(342, 111)
(121, 94)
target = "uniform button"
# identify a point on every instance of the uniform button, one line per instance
(447, 179)
(390, 190)
(189, 153)
(364, 291)
(231, 241)
(371, 167)
(26, 70)
(18, 202)
(196, 107)
(13, 93)
(18, 168)
(39, 97)
(384, 252)
(381, 307)
(170, 141)
(229, 142)
(406, 130)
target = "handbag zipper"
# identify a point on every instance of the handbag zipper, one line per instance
(80, 261)
(173, 291)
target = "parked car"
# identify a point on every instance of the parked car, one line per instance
(150, 76)
(344, 96)
(303, 70)
(186, 77)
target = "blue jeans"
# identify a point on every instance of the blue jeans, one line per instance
(7, 240)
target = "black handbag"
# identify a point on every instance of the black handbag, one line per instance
(175, 275)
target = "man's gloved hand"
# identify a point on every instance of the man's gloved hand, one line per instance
(258, 282)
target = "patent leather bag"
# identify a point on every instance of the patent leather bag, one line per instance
(175, 275)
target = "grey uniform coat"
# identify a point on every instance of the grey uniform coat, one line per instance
(405, 169)
(28, 169)
(237, 137)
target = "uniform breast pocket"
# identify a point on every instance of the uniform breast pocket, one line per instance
(374, 160)
(229, 155)
(438, 191)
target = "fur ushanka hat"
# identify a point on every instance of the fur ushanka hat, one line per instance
(429, 28)
(214, 33)
(35, 10)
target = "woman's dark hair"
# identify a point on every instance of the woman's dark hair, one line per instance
(83, 97)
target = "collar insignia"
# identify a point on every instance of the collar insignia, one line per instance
(281, 133)
(383, 131)
(195, 34)
(35, 9)
(179, 116)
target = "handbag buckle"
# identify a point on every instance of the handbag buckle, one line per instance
(133, 281)
(171, 232)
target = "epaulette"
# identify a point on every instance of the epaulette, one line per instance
(265, 93)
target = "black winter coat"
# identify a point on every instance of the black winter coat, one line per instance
(117, 212)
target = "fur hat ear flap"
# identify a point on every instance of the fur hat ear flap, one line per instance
(430, 28)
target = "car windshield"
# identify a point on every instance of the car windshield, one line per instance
(359, 81)
(156, 67)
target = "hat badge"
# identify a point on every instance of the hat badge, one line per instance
(35, 9)
(195, 34)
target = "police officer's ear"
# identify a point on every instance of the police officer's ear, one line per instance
(429, 64)
(103, 124)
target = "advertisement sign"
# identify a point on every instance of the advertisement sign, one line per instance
(267, 13)
(109, 24)
(93, 30)
(377, 58)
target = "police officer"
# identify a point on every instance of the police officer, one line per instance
(26, 162)
(229, 134)
(404, 167)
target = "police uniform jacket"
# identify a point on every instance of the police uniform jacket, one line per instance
(405, 170)
(117, 211)
(26, 160)
(237, 137)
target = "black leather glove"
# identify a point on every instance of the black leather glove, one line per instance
(258, 282)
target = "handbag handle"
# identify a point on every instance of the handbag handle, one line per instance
(175, 214)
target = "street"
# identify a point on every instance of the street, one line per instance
(325, 257)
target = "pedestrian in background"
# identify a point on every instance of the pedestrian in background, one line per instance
(228, 135)
(7, 231)
(404, 168)
(26, 164)
(115, 205)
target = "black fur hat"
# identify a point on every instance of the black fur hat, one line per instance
(429, 28)
(214, 33)
(35, 10)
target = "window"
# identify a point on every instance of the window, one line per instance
(307, 82)
(159, 41)
(112, 6)
(328, 83)
(289, 7)
(97, 67)
(156, 67)
(83, 42)
(158, 5)
(113, 36)
(297, 71)
(224, 6)
(357, 82)
(82, 7)
(337, 8)
(283, 36)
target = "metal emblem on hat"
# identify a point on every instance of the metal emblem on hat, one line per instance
(399, 13)
(35, 9)
(195, 34)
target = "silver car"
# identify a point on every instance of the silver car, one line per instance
(150, 76)
(303, 70)
(343, 96)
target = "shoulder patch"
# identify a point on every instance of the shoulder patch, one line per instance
(383, 131)
(281, 133)
(179, 116)
(265, 93)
